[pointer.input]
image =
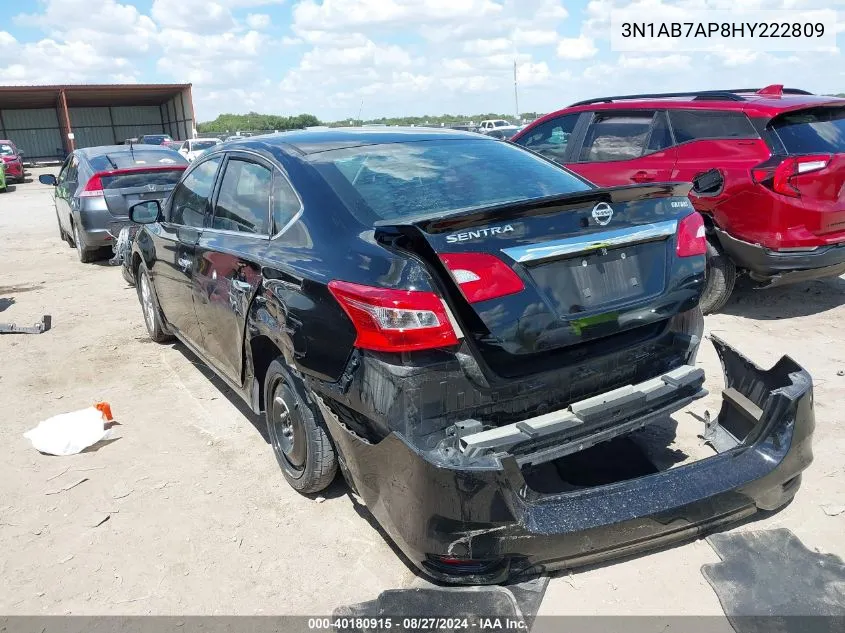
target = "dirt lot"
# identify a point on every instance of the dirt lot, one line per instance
(200, 518)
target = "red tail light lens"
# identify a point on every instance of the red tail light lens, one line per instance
(388, 320)
(779, 176)
(691, 236)
(482, 276)
(93, 188)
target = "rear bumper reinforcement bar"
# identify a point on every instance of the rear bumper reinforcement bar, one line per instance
(599, 416)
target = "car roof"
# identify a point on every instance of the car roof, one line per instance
(751, 103)
(312, 141)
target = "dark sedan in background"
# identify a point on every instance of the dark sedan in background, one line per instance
(96, 186)
(456, 323)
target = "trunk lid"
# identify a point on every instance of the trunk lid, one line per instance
(594, 265)
(127, 187)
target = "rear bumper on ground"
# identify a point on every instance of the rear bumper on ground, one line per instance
(440, 514)
(778, 268)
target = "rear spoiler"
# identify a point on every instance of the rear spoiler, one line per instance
(536, 206)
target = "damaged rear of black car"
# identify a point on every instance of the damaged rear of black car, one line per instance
(450, 319)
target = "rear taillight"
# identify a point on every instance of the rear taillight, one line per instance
(93, 188)
(691, 236)
(778, 176)
(389, 320)
(482, 276)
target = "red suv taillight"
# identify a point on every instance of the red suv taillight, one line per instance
(389, 320)
(691, 236)
(482, 276)
(778, 176)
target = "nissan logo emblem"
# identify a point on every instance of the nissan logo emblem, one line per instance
(602, 213)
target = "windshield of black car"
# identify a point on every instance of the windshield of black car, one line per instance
(818, 130)
(154, 140)
(7, 150)
(200, 145)
(437, 177)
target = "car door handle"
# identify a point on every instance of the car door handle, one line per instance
(243, 286)
(642, 176)
(184, 263)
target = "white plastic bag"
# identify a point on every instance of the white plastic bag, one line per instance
(71, 433)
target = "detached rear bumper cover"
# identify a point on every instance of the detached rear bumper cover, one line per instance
(485, 511)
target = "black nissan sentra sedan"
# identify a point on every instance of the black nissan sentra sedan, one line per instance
(458, 325)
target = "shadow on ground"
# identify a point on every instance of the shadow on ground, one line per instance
(802, 299)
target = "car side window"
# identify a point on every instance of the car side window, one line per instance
(189, 200)
(660, 136)
(286, 204)
(614, 136)
(243, 203)
(692, 125)
(62, 177)
(552, 137)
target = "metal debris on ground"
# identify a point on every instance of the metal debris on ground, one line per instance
(38, 328)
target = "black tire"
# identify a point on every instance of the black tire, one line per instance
(297, 432)
(719, 280)
(86, 255)
(153, 318)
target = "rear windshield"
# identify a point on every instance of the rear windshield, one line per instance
(199, 145)
(155, 139)
(812, 131)
(125, 159)
(431, 178)
(142, 178)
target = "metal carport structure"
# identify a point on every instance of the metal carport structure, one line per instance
(47, 122)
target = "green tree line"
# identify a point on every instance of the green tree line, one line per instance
(231, 123)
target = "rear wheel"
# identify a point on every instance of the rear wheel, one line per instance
(86, 255)
(150, 308)
(720, 277)
(297, 433)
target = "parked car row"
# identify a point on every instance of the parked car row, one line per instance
(447, 319)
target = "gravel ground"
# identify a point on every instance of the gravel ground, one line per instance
(197, 516)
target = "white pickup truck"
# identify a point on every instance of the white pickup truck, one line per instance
(489, 125)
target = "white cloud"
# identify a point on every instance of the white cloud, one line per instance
(487, 47)
(331, 15)
(580, 47)
(534, 37)
(533, 74)
(258, 21)
(655, 63)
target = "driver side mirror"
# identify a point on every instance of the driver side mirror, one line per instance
(48, 179)
(146, 212)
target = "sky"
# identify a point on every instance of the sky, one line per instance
(339, 58)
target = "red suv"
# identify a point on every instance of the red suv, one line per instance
(767, 169)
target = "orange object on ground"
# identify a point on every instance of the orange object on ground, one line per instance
(105, 409)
